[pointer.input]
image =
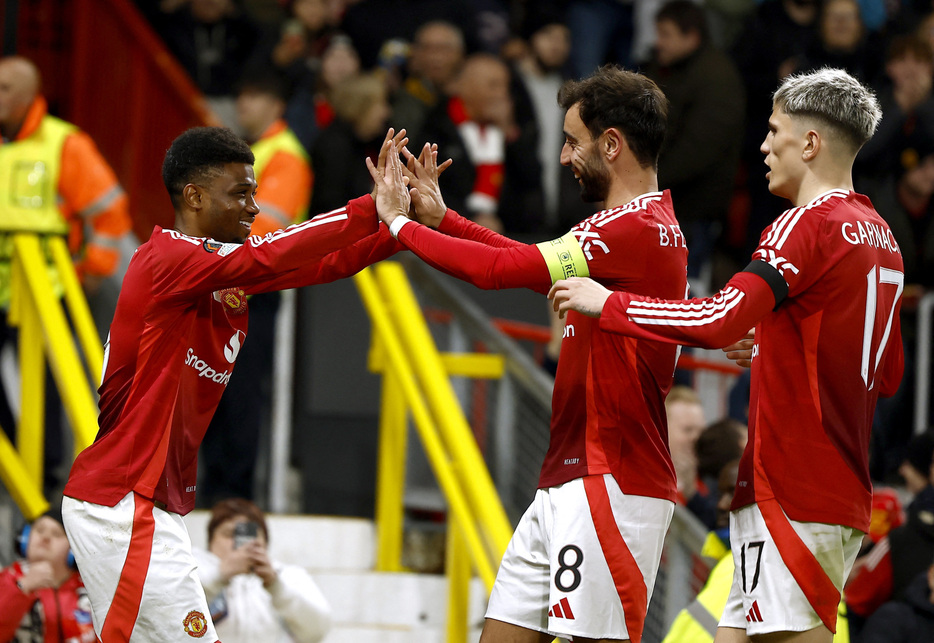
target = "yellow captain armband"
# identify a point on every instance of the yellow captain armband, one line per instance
(564, 257)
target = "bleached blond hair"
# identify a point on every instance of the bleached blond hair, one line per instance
(834, 98)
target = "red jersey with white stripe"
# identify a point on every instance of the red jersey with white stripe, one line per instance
(833, 273)
(180, 322)
(608, 412)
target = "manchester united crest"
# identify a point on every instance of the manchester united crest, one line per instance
(233, 298)
(195, 624)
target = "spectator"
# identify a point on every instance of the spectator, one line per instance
(718, 444)
(252, 597)
(437, 55)
(685, 425)
(540, 70)
(495, 178)
(55, 182)
(214, 41)
(909, 620)
(232, 442)
(602, 31)
(843, 42)
(702, 146)
(42, 595)
(362, 109)
(907, 550)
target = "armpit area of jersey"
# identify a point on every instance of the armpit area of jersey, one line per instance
(772, 277)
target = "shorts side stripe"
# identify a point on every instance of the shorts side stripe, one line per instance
(820, 591)
(623, 567)
(121, 617)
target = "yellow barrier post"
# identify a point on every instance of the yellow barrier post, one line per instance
(434, 448)
(30, 433)
(458, 438)
(25, 493)
(457, 568)
(66, 367)
(390, 481)
(85, 329)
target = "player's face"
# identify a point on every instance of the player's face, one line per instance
(582, 154)
(783, 147)
(47, 542)
(229, 201)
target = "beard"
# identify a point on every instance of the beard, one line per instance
(594, 180)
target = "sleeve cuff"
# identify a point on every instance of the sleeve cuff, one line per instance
(397, 225)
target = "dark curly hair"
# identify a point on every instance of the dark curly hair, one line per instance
(630, 102)
(199, 154)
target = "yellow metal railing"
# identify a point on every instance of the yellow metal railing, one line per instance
(45, 334)
(416, 383)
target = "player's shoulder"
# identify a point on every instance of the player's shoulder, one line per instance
(648, 205)
(177, 244)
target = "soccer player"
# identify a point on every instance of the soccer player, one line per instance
(583, 559)
(180, 322)
(823, 292)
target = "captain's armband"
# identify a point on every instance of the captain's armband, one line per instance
(564, 257)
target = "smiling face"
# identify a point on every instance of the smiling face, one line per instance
(783, 147)
(228, 204)
(582, 154)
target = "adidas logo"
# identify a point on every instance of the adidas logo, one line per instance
(754, 615)
(561, 609)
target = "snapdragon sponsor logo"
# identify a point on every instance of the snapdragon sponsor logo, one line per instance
(231, 350)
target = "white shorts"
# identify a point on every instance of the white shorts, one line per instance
(582, 561)
(789, 575)
(137, 566)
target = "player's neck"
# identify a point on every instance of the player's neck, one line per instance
(629, 186)
(813, 185)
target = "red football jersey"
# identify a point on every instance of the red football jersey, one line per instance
(180, 322)
(833, 273)
(608, 411)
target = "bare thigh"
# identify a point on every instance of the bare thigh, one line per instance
(734, 635)
(499, 632)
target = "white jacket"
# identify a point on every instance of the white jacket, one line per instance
(292, 611)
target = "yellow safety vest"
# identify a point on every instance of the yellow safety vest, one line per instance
(265, 148)
(29, 174)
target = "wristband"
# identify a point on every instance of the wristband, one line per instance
(397, 224)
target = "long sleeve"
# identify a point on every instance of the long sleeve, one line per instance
(209, 573)
(711, 322)
(15, 604)
(484, 266)
(185, 273)
(300, 603)
(455, 225)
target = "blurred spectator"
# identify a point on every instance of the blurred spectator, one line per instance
(361, 107)
(685, 424)
(540, 69)
(909, 620)
(705, 128)
(436, 57)
(42, 595)
(55, 182)
(602, 31)
(214, 41)
(718, 444)
(251, 597)
(895, 560)
(283, 175)
(496, 178)
(843, 43)
(908, 113)
(371, 23)
(765, 52)
(726, 19)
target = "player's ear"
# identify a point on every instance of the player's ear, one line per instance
(612, 144)
(193, 196)
(812, 145)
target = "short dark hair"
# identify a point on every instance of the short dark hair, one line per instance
(236, 508)
(687, 15)
(630, 102)
(902, 47)
(718, 445)
(198, 154)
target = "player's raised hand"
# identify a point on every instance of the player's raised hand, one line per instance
(423, 173)
(741, 351)
(584, 295)
(399, 139)
(392, 194)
